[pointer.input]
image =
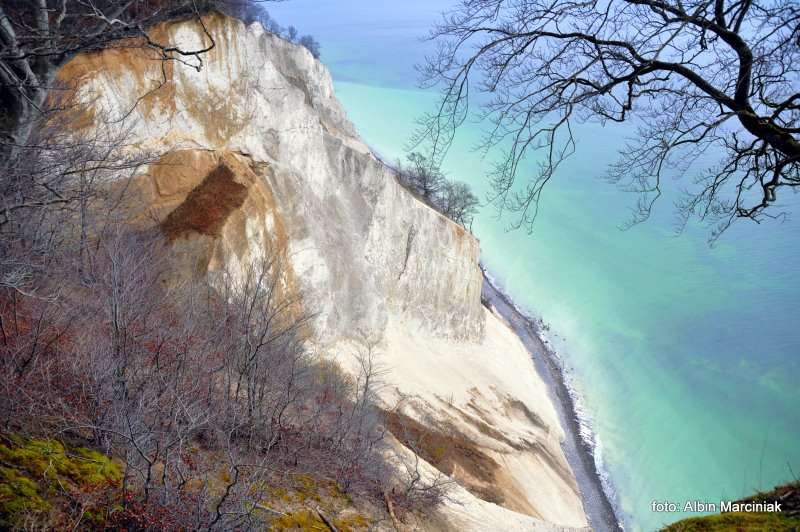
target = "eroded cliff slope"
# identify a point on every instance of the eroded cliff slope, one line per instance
(252, 155)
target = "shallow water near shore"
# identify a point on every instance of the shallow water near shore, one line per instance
(685, 357)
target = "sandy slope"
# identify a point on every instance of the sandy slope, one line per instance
(489, 392)
(596, 503)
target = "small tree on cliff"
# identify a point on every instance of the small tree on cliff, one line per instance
(701, 77)
(457, 202)
(422, 176)
(454, 199)
(311, 45)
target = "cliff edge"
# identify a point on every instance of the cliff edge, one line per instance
(252, 154)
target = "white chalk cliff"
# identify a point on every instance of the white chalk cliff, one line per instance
(376, 264)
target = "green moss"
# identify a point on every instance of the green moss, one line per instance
(48, 459)
(93, 467)
(19, 494)
(300, 520)
(35, 472)
(309, 520)
(749, 522)
(306, 488)
(352, 522)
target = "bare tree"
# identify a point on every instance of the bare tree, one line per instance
(312, 45)
(358, 432)
(423, 176)
(149, 368)
(417, 488)
(457, 202)
(265, 363)
(203, 389)
(703, 78)
(52, 198)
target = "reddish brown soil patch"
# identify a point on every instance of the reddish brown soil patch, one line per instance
(207, 206)
(448, 452)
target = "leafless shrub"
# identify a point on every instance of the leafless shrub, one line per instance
(457, 202)
(54, 191)
(205, 390)
(416, 489)
(423, 176)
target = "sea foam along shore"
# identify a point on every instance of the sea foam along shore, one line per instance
(580, 445)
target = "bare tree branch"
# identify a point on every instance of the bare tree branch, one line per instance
(699, 79)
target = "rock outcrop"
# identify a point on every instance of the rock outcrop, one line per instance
(254, 155)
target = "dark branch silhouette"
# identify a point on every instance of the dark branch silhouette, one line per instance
(716, 79)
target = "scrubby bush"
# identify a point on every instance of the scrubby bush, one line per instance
(457, 202)
(311, 44)
(250, 11)
(202, 390)
(454, 199)
(422, 176)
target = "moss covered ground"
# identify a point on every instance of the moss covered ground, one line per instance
(788, 520)
(37, 475)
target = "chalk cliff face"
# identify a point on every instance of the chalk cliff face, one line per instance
(253, 155)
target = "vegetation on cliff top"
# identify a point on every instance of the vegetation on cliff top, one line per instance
(788, 520)
(426, 180)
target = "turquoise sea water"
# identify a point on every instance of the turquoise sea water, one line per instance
(687, 358)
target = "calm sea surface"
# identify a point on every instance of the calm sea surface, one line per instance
(687, 358)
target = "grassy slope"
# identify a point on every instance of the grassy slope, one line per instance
(786, 521)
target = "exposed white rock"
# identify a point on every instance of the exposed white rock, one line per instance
(370, 259)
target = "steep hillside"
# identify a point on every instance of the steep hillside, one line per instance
(253, 155)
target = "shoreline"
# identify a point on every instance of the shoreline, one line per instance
(580, 456)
